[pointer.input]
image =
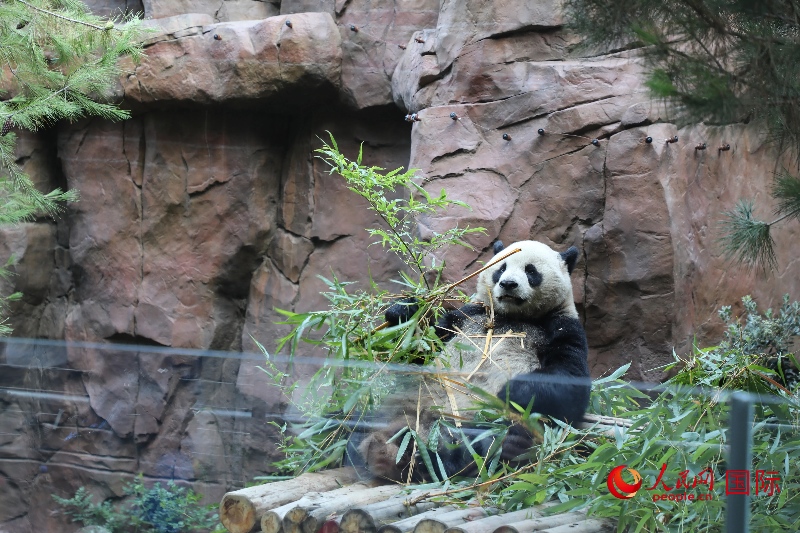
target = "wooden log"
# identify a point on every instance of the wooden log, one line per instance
(445, 520)
(272, 520)
(357, 521)
(329, 526)
(407, 524)
(491, 523)
(307, 514)
(590, 525)
(538, 524)
(368, 518)
(240, 511)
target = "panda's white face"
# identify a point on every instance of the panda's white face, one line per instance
(529, 283)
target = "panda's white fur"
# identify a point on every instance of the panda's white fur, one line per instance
(513, 346)
(554, 293)
(525, 292)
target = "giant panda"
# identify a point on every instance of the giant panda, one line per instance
(538, 352)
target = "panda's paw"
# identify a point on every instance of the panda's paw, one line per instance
(517, 443)
(787, 374)
(380, 457)
(401, 311)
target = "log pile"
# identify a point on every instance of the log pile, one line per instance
(337, 501)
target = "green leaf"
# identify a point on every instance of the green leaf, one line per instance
(403, 445)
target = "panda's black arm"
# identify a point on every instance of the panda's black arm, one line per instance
(403, 309)
(456, 458)
(447, 323)
(560, 387)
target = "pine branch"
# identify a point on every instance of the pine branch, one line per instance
(787, 192)
(58, 56)
(108, 26)
(747, 239)
(721, 62)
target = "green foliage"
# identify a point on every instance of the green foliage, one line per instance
(4, 301)
(769, 333)
(719, 62)
(679, 428)
(170, 509)
(787, 192)
(83, 510)
(57, 62)
(685, 428)
(400, 209)
(357, 346)
(747, 239)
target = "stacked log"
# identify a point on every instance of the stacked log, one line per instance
(337, 501)
(308, 513)
(435, 520)
(241, 511)
(368, 518)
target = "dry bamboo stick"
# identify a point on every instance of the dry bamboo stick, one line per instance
(240, 511)
(606, 420)
(407, 524)
(490, 523)
(310, 512)
(538, 524)
(443, 521)
(591, 525)
(367, 518)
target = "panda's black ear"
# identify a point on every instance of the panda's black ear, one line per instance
(570, 257)
(498, 247)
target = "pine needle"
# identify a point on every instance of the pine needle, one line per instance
(747, 239)
(787, 192)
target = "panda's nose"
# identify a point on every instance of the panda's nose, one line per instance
(508, 284)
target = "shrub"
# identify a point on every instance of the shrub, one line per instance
(170, 509)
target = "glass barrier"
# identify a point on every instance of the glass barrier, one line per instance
(118, 420)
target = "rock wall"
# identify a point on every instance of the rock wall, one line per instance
(207, 210)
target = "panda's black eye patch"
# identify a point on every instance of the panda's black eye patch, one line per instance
(534, 276)
(498, 273)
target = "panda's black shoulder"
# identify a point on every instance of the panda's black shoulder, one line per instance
(564, 342)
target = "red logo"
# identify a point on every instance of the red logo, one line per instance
(767, 482)
(737, 482)
(621, 489)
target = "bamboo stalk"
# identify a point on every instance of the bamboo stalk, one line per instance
(607, 420)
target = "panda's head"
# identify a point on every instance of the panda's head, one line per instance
(530, 283)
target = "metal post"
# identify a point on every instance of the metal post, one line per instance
(737, 508)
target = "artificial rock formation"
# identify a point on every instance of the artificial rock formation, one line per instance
(208, 210)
